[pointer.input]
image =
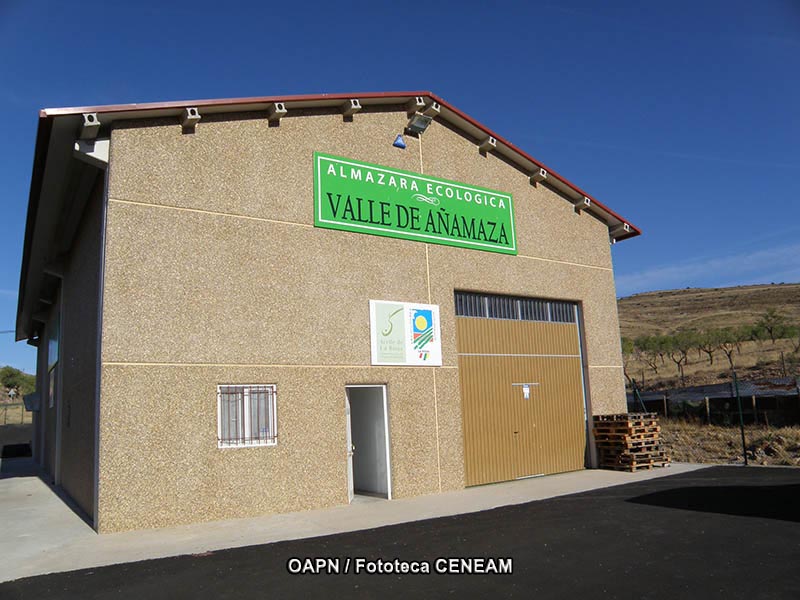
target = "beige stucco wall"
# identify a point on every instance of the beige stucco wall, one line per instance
(171, 471)
(215, 274)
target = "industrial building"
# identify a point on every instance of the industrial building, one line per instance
(266, 305)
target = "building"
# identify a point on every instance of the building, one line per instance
(267, 304)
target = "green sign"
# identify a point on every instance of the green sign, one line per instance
(351, 195)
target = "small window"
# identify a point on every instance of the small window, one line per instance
(246, 416)
(497, 306)
(470, 305)
(503, 307)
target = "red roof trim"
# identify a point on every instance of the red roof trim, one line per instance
(74, 110)
(466, 117)
(56, 112)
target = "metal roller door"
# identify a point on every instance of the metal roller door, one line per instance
(505, 343)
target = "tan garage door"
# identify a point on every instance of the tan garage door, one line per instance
(503, 344)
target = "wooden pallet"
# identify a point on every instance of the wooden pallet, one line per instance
(626, 438)
(627, 417)
(629, 460)
(626, 424)
(626, 443)
(635, 467)
(627, 429)
(629, 442)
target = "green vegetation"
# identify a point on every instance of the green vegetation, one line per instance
(654, 350)
(14, 379)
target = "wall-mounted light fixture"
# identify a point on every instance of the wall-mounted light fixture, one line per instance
(418, 123)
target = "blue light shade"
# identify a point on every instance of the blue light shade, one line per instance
(399, 142)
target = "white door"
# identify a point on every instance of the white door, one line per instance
(349, 451)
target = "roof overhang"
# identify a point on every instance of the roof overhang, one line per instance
(64, 174)
(63, 134)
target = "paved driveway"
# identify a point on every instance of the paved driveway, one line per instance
(724, 532)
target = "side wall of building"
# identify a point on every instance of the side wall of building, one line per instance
(48, 409)
(215, 274)
(41, 440)
(79, 354)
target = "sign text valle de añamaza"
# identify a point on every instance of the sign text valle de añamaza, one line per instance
(351, 195)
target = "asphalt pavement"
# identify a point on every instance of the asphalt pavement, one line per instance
(723, 532)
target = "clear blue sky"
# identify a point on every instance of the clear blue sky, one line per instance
(681, 116)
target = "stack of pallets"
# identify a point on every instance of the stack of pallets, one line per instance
(629, 442)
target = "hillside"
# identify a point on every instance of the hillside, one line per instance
(665, 312)
(698, 309)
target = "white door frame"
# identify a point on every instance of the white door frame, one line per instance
(386, 435)
(350, 490)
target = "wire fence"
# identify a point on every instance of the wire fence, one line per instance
(14, 414)
(756, 421)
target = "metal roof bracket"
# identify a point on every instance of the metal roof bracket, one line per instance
(487, 144)
(415, 105)
(276, 111)
(190, 117)
(90, 127)
(432, 110)
(538, 176)
(620, 230)
(93, 152)
(583, 204)
(351, 107)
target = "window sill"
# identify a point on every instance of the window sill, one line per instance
(226, 446)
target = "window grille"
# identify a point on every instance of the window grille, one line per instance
(470, 305)
(496, 306)
(503, 307)
(246, 415)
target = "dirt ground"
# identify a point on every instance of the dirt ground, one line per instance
(694, 442)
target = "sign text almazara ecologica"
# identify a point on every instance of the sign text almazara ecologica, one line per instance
(351, 195)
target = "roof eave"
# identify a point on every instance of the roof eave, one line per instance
(109, 113)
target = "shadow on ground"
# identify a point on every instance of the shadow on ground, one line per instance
(20, 467)
(619, 542)
(15, 451)
(764, 501)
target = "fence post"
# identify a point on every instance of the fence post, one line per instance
(755, 411)
(741, 418)
(708, 412)
(666, 413)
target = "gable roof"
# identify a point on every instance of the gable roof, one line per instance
(58, 129)
(449, 113)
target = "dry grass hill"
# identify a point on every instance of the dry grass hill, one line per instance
(666, 312)
(701, 308)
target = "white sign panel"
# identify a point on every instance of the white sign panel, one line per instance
(403, 333)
